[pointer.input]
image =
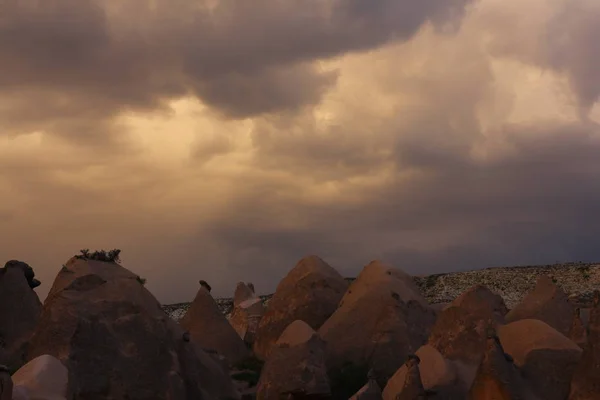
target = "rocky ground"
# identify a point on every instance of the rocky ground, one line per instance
(529, 333)
(578, 280)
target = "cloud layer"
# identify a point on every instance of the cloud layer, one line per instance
(225, 140)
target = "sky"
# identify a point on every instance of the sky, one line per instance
(225, 139)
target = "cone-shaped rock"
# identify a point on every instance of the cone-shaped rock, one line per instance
(44, 377)
(20, 310)
(310, 292)
(295, 367)
(460, 330)
(437, 374)
(544, 355)
(497, 378)
(381, 319)
(412, 387)
(242, 293)
(209, 328)
(247, 311)
(117, 342)
(546, 302)
(585, 384)
(370, 391)
(479, 300)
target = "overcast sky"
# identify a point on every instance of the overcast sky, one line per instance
(225, 139)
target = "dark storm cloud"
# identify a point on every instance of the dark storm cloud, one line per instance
(536, 205)
(80, 63)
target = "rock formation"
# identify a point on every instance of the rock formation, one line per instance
(310, 292)
(27, 271)
(497, 377)
(116, 341)
(546, 302)
(460, 331)
(242, 293)
(209, 328)
(585, 384)
(296, 366)
(545, 356)
(370, 391)
(412, 387)
(381, 319)
(20, 310)
(247, 312)
(437, 375)
(44, 377)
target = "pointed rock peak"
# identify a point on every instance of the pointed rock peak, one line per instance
(371, 375)
(546, 302)
(209, 328)
(381, 267)
(242, 293)
(370, 391)
(298, 332)
(546, 286)
(479, 299)
(251, 286)
(377, 274)
(311, 292)
(494, 352)
(204, 285)
(413, 386)
(314, 264)
(27, 271)
(497, 377)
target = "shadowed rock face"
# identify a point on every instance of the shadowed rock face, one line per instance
(585, 384)
(370, 391)
(578, 332)
(546, 302)
(242, 293)
(497, 378)
(412, 389)
(296, 366)
(209, 328)
(310, 292)
(20, 310)
(545, 356)
(460, 329)
(27, 271)
(116, 341)
(6, 384)
(247, 312)
(381, 319)
(44, 377)
(437, 374)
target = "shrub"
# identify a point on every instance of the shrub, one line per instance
(100, 255)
